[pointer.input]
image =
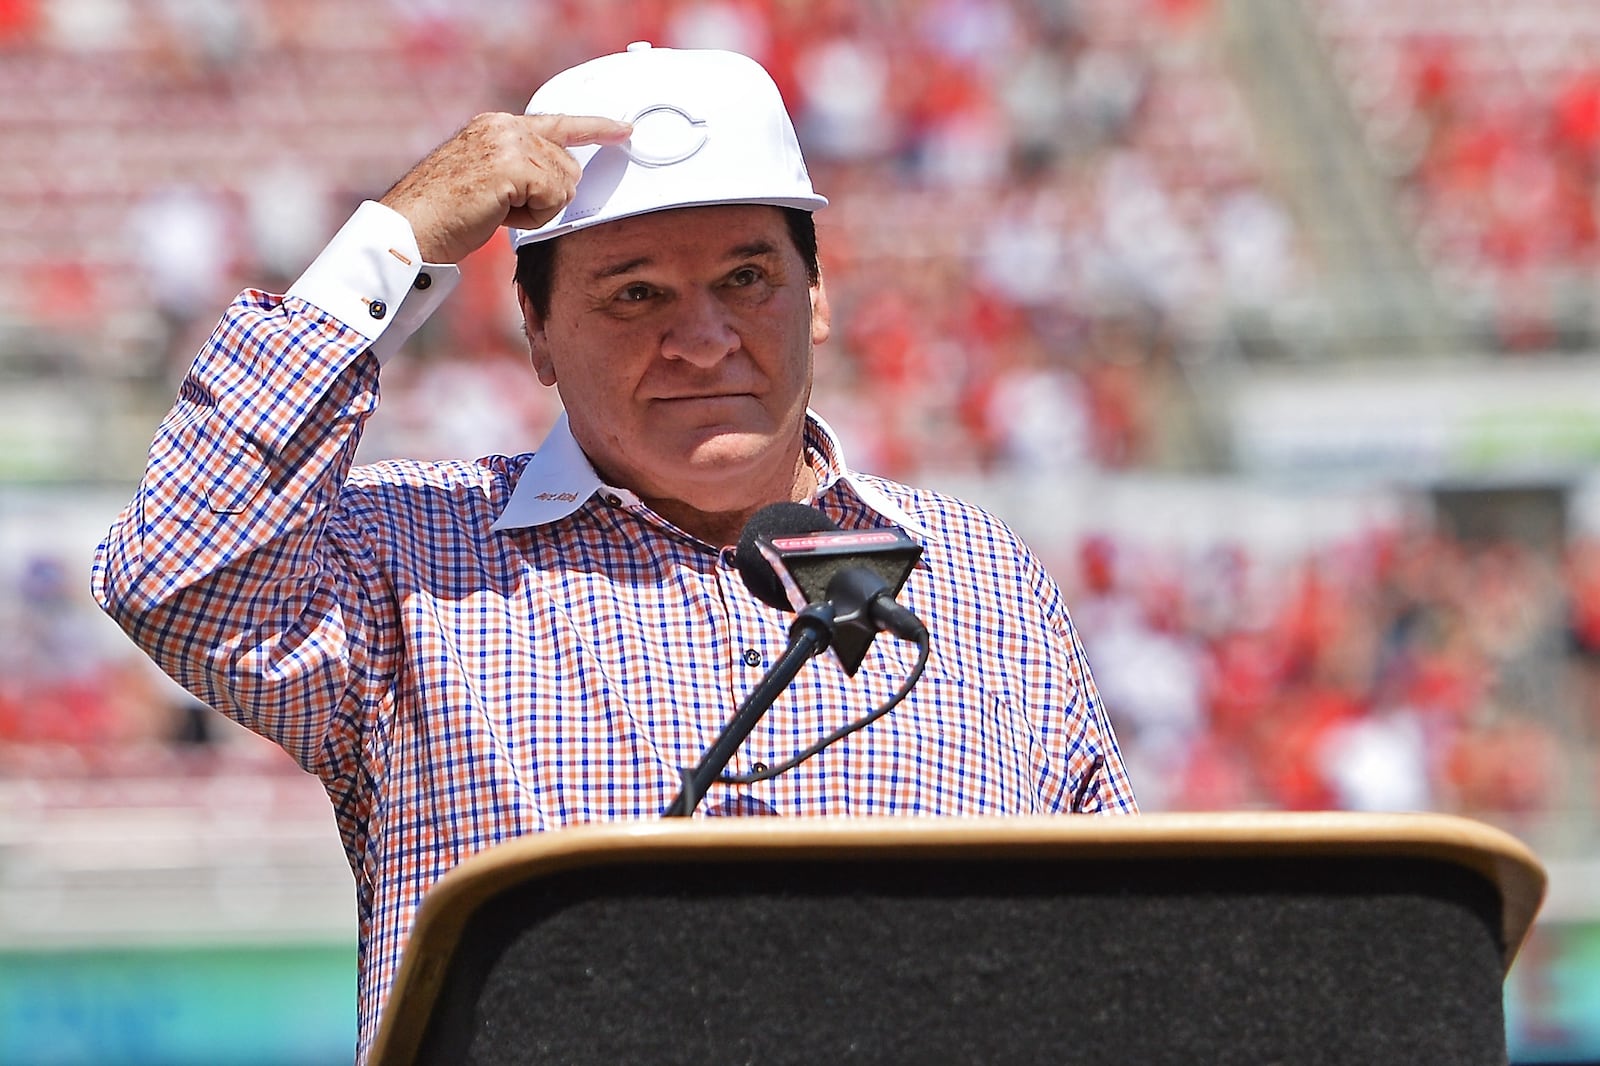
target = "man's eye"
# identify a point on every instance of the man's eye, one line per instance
(744, 276)
(634, 293)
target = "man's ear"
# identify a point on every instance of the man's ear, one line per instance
(821, 315)
(538, 344)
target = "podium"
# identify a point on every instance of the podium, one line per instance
(1214, 938)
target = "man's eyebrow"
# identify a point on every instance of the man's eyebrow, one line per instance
(627, 266)
(759, 246)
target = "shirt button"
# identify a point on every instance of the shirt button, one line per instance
(423, 281)
(613, 499)
(752, 657)
(377, 309)
(759, 768)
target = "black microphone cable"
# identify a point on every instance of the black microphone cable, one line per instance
(843, 731)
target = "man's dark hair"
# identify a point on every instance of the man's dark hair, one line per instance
(536, 262)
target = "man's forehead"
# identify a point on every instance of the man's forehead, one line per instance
(723, 231)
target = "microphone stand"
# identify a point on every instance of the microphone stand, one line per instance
(809, 635)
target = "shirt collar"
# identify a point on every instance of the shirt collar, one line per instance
(558, 479)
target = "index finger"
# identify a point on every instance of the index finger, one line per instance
(572, 130)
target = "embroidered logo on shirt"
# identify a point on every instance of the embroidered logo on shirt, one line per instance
(567, 496)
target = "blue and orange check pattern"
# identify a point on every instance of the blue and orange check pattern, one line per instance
(454, 687)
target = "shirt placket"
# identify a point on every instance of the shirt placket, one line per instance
(754, 645)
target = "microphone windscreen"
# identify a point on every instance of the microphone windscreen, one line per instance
(774, 520)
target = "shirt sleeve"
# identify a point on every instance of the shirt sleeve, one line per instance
(229, 567)
(1100, 781)
(1083, 732)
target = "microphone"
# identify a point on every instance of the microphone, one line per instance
(792, 556)
(841, 586)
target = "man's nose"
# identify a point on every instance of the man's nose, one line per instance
(701, 330)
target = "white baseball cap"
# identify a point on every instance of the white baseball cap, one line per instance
(709, 127)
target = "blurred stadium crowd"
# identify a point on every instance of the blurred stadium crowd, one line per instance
(1487, 116)
(1046, 213)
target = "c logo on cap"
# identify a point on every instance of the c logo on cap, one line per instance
(663, 135)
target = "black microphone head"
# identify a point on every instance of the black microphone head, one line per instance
(774, 520)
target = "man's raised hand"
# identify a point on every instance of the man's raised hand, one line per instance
(499, 170)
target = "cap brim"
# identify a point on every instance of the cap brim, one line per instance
(520, 237)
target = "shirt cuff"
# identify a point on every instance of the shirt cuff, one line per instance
(371, 277)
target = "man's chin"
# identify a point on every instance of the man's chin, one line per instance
(727, 462)
(726, 449)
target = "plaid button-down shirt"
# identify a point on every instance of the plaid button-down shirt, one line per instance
(465, 652)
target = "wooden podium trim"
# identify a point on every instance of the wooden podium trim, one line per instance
(1508, 864)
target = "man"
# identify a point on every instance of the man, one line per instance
(465, 652)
